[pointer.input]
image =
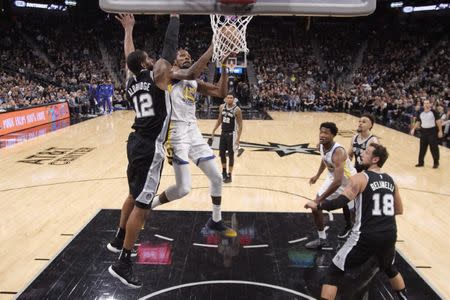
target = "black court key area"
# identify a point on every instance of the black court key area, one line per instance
(179, 259)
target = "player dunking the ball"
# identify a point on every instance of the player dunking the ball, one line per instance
(145, 147)
(186, 142)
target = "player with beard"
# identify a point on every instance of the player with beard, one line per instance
(146, 89)
(185, 141)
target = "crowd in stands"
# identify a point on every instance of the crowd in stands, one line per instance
(17, 92)
(64, 54)
(318, 70)
(356, 66)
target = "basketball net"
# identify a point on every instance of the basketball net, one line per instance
(231, 38)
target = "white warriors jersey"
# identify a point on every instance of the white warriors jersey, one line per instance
(349, 170)
(182, 94)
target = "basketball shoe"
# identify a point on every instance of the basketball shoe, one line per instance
(116, 245)
(123, 270)
(221, 228)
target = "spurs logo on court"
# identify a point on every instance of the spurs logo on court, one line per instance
(56, 156)
(280, 149)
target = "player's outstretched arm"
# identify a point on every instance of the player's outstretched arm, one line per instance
(215, 90)
(356, 185)
(196, 69)
(199, 66)
(162, 70)
(127, 21)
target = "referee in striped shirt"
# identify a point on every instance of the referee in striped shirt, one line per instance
(431, 130)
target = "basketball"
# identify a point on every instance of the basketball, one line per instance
(230, 37)
(230, 32)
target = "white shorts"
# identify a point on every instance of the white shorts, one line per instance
(336, 194)
(187, 143)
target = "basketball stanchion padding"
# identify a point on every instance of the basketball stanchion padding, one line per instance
(235, 7)
(336, 8)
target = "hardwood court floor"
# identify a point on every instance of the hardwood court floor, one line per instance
(43, 205)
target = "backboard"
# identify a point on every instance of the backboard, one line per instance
(337, 8)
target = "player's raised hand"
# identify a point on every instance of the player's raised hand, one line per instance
(127, 20)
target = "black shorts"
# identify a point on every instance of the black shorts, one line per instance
(226, 142)
(359, 248)
(145, 164)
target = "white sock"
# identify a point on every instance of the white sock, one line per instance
(155, 202)
(216, 213)
(322, 234)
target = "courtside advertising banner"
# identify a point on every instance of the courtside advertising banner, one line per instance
(27, 118)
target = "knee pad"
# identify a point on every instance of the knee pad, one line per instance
(210, 169)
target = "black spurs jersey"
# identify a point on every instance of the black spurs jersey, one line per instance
(358, 149)
(228, 118)
(375, 205)
(151, 104)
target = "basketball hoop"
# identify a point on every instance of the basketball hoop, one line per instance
(229, 34)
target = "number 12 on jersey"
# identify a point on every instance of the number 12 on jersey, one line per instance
(143, 105)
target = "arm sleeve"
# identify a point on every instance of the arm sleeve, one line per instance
(169, 52)
(339, 202)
